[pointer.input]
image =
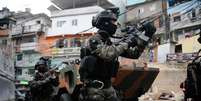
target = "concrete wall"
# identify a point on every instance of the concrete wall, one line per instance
(7, 60)
(43, 20)
(31, 25)
(28, 60)
(7, 72)
(26, 75)
(144, 10)
(83, 23)
(83, 17)
(7, 92)
(163, 50)
(190, 45)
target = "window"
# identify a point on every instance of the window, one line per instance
(29, 27)
(75, 42)
(65, 43)
(178, 48)
(31, 71)
(60, 23)
(28, 39)
(74, 22)
(177, 18)
(60, 43)
(199, 11)
(193, 13)
(72, 43)
(38, 22)
(140, 11)
(18, 71)
(4, 42)
(18, 41)
(153, 7)
(158, 40)
(19, 57)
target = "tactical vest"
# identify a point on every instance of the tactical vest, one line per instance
(193, 80)
(93, 67)
(41, 91)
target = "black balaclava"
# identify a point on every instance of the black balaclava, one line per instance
(109, 27)
(42, 68)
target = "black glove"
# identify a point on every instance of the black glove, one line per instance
(148, 28)
(54, 80)
(132, 42)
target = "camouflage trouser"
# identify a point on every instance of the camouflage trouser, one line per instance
(94, 94)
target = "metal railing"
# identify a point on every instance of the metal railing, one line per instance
(27, 29)
(66, 51)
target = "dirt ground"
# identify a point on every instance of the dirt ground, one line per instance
(167, 83)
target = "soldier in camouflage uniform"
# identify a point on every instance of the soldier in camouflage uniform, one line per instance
(99, 59)
(42, 87)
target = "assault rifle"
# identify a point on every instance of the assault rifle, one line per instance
(143, 31)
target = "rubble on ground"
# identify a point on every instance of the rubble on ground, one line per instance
(161, 96)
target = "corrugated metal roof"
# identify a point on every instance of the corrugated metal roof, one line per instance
(182, 8)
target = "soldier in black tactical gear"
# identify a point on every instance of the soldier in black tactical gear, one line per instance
(192, 84)
(42, 86)
(99, 61)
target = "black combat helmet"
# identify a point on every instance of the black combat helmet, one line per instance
(41, 66)
(103, 20)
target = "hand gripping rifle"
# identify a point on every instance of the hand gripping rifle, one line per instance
(143, 31)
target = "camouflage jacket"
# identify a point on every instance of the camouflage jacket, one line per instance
(99, 58)
(43, 85)
(106, 50)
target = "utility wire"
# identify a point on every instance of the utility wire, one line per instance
(93, 27)
(157, 15)
(150, 20)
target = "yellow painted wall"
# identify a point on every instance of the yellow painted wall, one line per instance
(190, 45)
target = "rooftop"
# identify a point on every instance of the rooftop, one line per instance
(140, 3)
(68, 4)
(77, 11)
(184, 7)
